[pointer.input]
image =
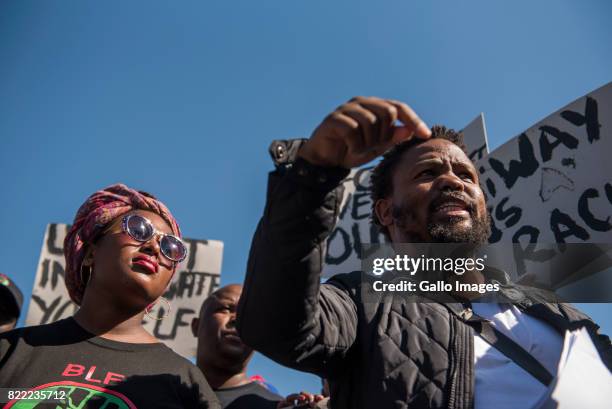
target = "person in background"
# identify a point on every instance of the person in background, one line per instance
(121, 253)
(11, 300)
(223, 357)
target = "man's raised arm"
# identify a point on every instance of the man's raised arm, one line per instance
(284, 311)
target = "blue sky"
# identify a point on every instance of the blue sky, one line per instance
(182, 98)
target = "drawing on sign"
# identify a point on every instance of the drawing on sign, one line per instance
(195, 279)
(553, 179)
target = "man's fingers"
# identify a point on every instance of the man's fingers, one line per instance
(342, 124)
(411, 121)
(368, 124)
(361, 129)
(401, 134)
(387, 115)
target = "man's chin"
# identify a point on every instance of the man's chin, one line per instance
(451, 231)
(235, 353)
(459, 230)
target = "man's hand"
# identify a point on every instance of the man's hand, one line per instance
(360, 130)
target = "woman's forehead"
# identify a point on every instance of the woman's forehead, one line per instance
(158, 222)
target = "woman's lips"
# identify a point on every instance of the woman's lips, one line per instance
(148, 265)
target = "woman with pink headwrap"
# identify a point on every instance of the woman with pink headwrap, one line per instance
(121, 253)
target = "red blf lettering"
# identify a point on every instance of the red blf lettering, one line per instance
(90, 373)
(113, 377)
(73, 370)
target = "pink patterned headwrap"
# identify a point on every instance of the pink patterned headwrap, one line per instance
(93, 217)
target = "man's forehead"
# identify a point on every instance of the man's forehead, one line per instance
(227, 296)
(434, 149)
(228, 293)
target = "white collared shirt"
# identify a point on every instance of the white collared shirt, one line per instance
(500, 383)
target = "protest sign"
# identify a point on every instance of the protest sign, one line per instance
(551, 183)
(475, 138)
(196, 277)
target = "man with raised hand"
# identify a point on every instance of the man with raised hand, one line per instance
(394, 353)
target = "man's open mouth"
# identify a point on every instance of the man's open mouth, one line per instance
(451, 208)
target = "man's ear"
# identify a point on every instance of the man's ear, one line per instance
(384, 211)
(195, 323)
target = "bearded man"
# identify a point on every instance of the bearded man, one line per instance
(393, 353)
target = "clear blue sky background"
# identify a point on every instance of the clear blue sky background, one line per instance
(182, 98)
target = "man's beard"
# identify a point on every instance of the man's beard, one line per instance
(449, 230)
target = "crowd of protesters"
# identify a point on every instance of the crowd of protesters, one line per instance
(124, 246)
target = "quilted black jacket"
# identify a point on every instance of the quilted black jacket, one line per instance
(390, 354)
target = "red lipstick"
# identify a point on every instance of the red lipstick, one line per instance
(147, 262)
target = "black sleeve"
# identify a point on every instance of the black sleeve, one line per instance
(284, 311)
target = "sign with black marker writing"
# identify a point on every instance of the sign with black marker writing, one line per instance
(196, 277)
(553, 182)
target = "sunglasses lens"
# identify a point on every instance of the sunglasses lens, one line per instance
(138, 228)
(173, 248)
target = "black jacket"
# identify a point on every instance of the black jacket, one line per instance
(389, 354)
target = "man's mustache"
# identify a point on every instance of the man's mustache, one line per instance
(405, 213)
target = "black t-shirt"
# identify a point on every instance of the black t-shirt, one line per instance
(249, 396)
(94, 372)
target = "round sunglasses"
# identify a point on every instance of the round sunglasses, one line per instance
(141, 229)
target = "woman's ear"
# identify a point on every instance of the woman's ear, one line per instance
(384, 211)
(88, 260)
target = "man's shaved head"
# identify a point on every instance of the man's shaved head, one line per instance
(219, 345)
(218, 294)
